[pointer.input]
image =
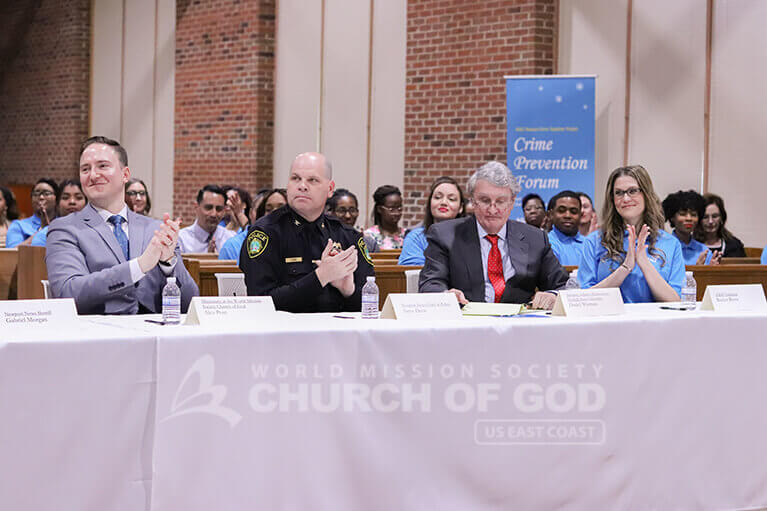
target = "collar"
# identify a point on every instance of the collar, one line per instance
(562, 236)
(300, 221)
(104, 214)
(200, 232)
(482, 232)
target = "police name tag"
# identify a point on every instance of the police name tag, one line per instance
(582, 303)
(734, 298)
(212, 310)
(421, 306)
(36, 313)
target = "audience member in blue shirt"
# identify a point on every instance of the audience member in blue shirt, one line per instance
(71, 200)
(764, 255)
(445, 202)
(272, 200)
(631, 250)
(683, 210)
(565, 218)
(232, 246)
(44, 196)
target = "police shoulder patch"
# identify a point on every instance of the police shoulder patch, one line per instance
(256, 243)
(364, 249)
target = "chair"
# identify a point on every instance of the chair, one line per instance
(231, 284)
(46, 289)
(411, 280)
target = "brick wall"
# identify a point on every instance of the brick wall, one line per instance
(44, 87)
(457, 54)
(224, 112)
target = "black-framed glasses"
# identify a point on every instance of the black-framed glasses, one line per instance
(134, 193)
(631, 192)
(42, 193)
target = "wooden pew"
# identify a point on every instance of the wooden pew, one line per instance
(391, 279)
(32, 270)
(9, 258)
(728, 274)
(753, 251)
(387, 257)
(207, 274)
(739, 260)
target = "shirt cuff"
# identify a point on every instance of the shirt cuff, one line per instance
(167, 268)
(135, 270)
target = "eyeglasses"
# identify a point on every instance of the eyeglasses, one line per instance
(350, 211)
(393, 209)
(133, 193)
(631, 192)
(486, 202)
(42, 193)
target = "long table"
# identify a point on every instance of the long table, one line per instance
(654, 409)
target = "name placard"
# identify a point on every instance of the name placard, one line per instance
(734, 298)
(25, 313)
(581, 303)
(421, 306)
(209, 310)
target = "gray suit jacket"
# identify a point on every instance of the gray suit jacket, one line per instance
(454, 260)
(85, 262)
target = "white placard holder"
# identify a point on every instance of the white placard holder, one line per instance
(211, 310)
(429, 306)
(583, 303)
(56, 312)
(734, 298)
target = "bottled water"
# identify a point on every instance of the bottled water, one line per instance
(572, 282)
(370, 299)
(171, 303)
(689, 290)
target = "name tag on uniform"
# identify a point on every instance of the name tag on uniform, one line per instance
(293, 259)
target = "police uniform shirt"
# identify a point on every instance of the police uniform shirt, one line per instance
(277, 256)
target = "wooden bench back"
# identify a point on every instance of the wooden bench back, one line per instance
(32, 270)
(9, 258)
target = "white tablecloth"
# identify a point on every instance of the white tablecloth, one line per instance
(656, 409)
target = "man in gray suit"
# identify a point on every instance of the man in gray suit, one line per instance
(109, 259)
(491, 258)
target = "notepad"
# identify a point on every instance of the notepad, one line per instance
(491, 309)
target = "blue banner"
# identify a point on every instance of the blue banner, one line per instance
(550, 137)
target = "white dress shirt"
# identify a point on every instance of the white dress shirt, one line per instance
(485, 246)
(194, 239)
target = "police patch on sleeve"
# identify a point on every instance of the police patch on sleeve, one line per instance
(364, 249)
(256, 242)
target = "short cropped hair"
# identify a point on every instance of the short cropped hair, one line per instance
(212, 189)
(495, 173)
(532, 196)
(122, 154)
(561, 195)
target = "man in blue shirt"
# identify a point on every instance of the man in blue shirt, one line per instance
(565, 215)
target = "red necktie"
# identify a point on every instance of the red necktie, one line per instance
(495, 267)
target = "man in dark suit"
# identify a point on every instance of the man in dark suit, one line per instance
(489, 258)
(109, 259)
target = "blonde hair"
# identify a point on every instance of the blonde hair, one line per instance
(613, 224)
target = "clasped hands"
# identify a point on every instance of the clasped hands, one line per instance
(337, 268)
(162, 246)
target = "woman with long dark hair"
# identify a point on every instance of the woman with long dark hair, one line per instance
(445, 202)
(631, 250)
(712, 232)
(71, 199)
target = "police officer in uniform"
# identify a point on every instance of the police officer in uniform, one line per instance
(306, 261)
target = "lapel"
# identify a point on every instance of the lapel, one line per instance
(93, 220)
(136, 233)
(518, 248)
(467, 237)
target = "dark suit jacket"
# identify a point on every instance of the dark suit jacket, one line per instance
(454, 260)
(85, 262)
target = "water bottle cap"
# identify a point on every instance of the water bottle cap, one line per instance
(171, 280)
(688, 274)
(371, 279)
(574, 273)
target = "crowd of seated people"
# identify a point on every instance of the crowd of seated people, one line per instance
(624, 246)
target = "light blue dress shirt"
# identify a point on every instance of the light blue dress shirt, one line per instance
(691, 251)
(503, 247)
(232, 247)
(764, 255)
(413, 247)
(594, 269)
(39, 239)
(568, 249)
(20, 230)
